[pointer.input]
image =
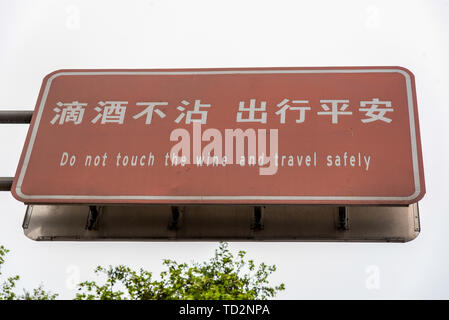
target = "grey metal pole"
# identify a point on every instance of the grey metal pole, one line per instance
(6, 183)
(15, 116)
(11, 116)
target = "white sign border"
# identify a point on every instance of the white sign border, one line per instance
(216, 198)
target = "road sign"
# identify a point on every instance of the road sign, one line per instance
(344, 135)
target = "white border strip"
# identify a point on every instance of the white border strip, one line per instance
(312, 198)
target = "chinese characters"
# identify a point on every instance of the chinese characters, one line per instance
(253, 111)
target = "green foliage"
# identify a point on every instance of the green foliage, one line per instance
(8, 286)
(38, 294)
(222, 277)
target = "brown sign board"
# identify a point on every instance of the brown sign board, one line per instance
(327, 135)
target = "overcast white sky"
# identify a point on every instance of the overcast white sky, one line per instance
(37, 37)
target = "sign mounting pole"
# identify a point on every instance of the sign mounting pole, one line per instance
(12, 117)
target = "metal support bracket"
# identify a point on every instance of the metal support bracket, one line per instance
(343, 219)
(92, 218)
(27, 218)
(176, 213)
(257, 224)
